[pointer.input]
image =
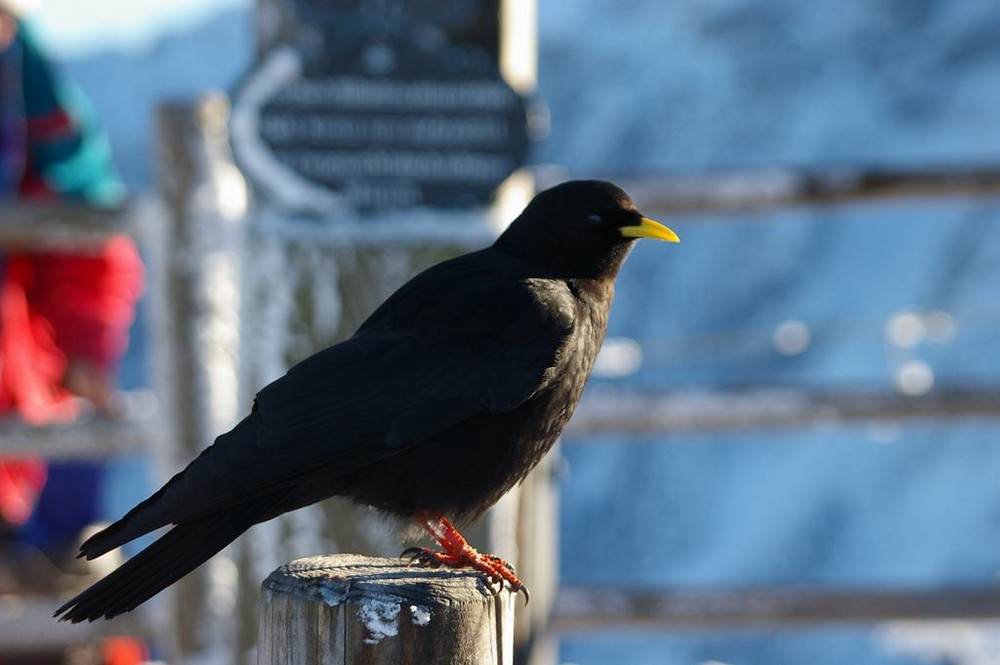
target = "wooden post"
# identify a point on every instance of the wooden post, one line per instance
(352, 610)
(196, 268)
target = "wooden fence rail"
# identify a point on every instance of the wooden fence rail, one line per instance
(579, 609)
(766, 189)
(90, 436)
(61, 225)
(642, 413)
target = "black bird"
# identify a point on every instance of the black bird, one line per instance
(444, 399)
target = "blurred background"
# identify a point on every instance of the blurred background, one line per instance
(792, 431)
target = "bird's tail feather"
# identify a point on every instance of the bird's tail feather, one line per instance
(122, 531)
(161, 509)
(174, 555)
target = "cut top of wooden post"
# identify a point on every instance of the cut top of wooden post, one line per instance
(347, 609)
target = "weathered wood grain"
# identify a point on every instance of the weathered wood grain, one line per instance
(348, 609)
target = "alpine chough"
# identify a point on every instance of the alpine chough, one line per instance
(444, 399)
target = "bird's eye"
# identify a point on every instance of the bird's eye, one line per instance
(595, 220)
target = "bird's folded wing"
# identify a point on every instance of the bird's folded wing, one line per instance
(482, 349)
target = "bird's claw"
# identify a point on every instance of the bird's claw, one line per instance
(515, 585)
(496, 570)
(420, 555)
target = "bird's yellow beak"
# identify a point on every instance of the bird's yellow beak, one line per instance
(647, 228)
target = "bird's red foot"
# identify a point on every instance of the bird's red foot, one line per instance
(459, 554)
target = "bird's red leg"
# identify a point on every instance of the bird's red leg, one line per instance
(457, 553)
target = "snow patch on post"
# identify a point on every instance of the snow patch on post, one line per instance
(380, 618)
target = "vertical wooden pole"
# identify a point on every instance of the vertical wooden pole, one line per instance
(205, 202)
(538, 562)
(353, 610)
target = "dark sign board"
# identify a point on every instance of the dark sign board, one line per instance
(382, 105)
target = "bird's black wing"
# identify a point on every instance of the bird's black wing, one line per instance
(431, 357)
(441, 350)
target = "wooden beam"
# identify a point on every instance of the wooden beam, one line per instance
(641, 413)
(589, 609)
(196, 290)
(91, 436)
(61, 225)
(776, 188)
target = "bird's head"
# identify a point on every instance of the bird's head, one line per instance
(581, 228)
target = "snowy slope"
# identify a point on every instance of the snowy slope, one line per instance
(646, 85)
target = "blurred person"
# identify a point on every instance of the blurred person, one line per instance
(64, 317)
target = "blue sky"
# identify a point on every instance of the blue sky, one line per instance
(72, 27)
